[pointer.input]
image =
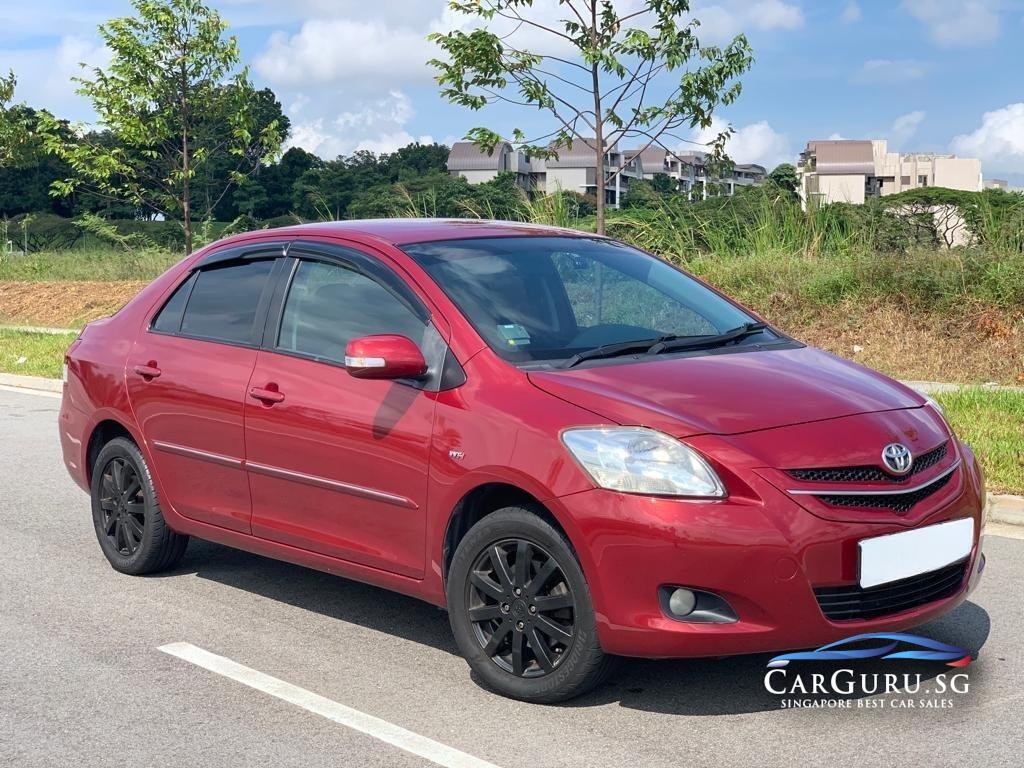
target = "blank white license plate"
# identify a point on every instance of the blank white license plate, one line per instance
(902, 555)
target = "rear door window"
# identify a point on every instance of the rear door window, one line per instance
(224, 301)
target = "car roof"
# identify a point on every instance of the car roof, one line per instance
(405, 231)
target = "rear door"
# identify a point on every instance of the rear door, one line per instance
(187, 376)
(338, 465)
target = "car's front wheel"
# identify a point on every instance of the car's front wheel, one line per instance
(521, 612)
(126, 514)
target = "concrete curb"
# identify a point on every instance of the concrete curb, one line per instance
(1005, 508)
(40, 329)
(938, 387)
(38, 383)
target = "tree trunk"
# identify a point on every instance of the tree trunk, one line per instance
(598, 124)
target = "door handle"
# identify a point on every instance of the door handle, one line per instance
(147, 371)
(268, 396)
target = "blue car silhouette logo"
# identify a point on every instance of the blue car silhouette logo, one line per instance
(927, 650)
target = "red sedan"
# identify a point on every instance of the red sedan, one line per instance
(578, 449)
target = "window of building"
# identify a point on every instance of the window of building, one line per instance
(905, 181)
(328, 305)
(922, 180)
(223, 302)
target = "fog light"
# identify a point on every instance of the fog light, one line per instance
(682, 602)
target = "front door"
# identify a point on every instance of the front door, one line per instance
(187, 376)
(338, 465)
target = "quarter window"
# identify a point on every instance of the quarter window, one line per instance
(328, 305)
(224, 301)
(169, 319)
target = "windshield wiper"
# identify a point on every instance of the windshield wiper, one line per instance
(614, 350)
(669, 343)
(676, 344)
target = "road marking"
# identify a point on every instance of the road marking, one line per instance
(379, 729)
(27, 391)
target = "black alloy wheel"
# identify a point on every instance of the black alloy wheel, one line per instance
(123, 506)
(521, 608)
(521, 611)
(129, 523)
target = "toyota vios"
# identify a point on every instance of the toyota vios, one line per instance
(578, 449)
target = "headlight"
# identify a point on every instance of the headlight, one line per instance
(639, 460)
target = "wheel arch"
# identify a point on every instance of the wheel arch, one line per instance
(103, 432)
(485, 499)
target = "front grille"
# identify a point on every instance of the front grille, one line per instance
(852, 602)
(869, 474)
(897, 502)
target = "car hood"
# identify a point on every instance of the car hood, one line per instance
(728, 393)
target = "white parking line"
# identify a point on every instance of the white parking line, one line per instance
(372, 726)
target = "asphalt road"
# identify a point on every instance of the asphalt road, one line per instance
(82, 681)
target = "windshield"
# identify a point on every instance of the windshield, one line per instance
(548, 299)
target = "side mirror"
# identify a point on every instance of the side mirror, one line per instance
(385, 356)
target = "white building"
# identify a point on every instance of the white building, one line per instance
(850, 171)
(575, 168)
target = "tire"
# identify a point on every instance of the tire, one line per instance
(491, 620)
(129, 525)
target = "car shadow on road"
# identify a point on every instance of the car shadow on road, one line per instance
(692, 687)
(331, 596)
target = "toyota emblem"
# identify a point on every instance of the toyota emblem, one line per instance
(897, 458)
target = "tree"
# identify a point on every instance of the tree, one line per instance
(172, 73)
(784, 177)
(211, 198)
(664, 184)
(15, 125)
(640, 75)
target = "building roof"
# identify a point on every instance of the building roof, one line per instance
(468, 156)
(842, 156)
(652, 158)
(580, 155)
(752, 168)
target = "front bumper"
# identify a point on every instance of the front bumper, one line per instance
(763, 554)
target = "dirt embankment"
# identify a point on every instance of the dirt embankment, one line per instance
(62, 304)
(975, 346)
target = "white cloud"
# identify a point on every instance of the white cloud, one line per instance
(722, 20)
(851, 13)
(905, 126)
(998, 142)
(389, 142)
(836, 137)
(377, 125)
(357, 54)
(890, 71)
(754, 143)
(395, 109)
(44, 75)
(958, 23)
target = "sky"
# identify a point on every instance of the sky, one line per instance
(927, 75)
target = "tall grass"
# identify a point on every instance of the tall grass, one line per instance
(765, 249)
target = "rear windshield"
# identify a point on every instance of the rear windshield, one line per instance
(545, 299)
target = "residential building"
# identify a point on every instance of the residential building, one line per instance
(575, 168)
(476, 166)
(851, 171)
(690, 171)
(1002, 184)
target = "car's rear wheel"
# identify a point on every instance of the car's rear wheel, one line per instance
(521, 611)
(129, 525)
